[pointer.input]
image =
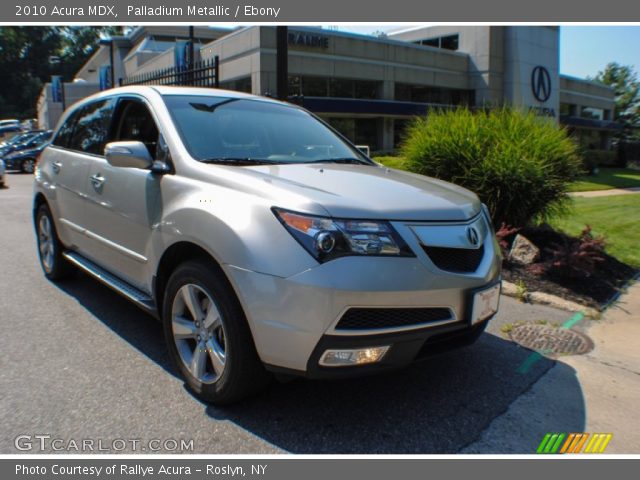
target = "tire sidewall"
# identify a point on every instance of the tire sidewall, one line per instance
(233, 323)
(58, 268)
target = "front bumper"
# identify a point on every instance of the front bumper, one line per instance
(406, 347)
(13, 164)
(293, 320)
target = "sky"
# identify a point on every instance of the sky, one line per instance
(584, 50)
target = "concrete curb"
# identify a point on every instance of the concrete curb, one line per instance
(541, 298)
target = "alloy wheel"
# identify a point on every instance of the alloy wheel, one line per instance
(198, 333)
(45, 243)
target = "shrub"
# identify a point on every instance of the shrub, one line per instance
(518, 163)
(574, 257)
(504, 235)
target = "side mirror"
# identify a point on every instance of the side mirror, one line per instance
(130, 154)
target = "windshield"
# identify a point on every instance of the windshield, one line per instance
(237, 130)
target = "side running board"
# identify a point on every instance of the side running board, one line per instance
(130, 292)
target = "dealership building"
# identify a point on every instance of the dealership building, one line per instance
(370, 87)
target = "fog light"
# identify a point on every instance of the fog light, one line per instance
(345, 358)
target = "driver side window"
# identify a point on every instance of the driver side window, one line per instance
(133, 121)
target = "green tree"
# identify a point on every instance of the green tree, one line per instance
(624, 80)
(25, 65)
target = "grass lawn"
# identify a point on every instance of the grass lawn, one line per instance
(391, 162)
(606, 179)
(617, 218)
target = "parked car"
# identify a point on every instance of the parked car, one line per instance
(9, 121)
(21, 137)
(2, 174)
(25, 160)
(9, 131)
(261, 238)
(25, 141)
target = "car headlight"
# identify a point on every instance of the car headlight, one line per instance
(328, 238)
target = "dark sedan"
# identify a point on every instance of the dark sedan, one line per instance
(24, 160)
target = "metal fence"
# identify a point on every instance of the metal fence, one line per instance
(202, 73)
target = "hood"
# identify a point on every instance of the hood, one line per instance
(370, 192)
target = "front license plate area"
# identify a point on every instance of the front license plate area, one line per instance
(485, 303)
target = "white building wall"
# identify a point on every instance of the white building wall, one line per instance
(525, 49)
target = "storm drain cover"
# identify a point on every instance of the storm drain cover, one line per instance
(550, 340)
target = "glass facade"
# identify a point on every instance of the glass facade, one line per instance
(361, 131)
(435, 95)
(592, 113)
(309, 86)
(448, 42)
(239, 85)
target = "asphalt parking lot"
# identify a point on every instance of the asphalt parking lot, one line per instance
(77, 361)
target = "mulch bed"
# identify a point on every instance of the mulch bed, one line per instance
(593, 291)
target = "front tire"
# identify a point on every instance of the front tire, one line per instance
(208, 337)
(50, 249)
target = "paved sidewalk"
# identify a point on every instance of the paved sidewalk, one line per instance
(595, 393)
(606, 193)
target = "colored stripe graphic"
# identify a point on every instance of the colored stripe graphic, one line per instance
(568, 442)
(551, 443)
(574, 443)
(606, 441)
(543, 443)
(598, 443)
(556, 446)
(591, 442)
(581, 442)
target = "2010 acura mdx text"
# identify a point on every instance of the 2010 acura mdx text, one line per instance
(263, 240)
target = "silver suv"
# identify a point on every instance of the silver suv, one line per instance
(263, 240)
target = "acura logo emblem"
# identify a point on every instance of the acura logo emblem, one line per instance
(541, 84)
(472, 236)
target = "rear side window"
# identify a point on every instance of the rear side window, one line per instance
(91, 128)
(63, 137)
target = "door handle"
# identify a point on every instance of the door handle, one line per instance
(56, 166)
(97, 180)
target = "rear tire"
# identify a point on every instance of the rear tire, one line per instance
(208, 338)
(28, 166)
(50, 249)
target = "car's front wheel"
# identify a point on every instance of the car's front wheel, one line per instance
(208, 337)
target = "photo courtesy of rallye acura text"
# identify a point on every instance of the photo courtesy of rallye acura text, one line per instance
(263, 240)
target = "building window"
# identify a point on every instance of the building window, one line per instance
(592, 113)
(435, 95)
(333, 87)
(239, 85)
(399, 130)
(568, 109)
(448, 42)
(360, 131)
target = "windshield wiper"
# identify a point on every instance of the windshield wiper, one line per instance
(340, 160)
(241, 161)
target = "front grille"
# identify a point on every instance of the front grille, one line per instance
(376, 318)
(457, 260)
